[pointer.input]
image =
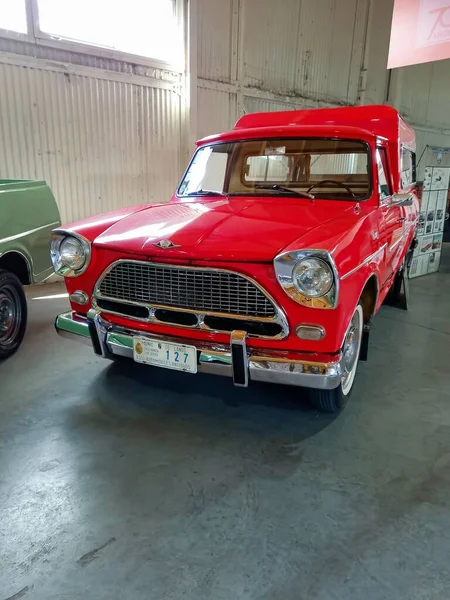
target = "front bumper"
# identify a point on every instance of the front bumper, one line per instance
(236, 360)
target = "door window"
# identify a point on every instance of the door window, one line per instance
(383, 179)
(408, 167)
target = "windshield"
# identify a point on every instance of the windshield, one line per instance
(327, 169)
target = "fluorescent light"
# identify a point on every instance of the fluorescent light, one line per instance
(53, 297)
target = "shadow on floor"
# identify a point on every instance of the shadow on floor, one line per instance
(140, 397)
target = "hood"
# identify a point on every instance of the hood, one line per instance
(234, 229)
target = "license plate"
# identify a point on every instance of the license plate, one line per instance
(165, 354)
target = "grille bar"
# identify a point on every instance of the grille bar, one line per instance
(202, 290)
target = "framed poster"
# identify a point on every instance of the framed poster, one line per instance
(430, 227)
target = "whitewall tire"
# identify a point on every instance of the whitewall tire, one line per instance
(333, 401)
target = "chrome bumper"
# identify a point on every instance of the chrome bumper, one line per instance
(235, 360)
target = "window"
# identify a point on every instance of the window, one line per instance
(408, 167)
(142, 27)
(331, 169)
(146, 28)
(383, 181)
(266, 168)
(206, 172)
(13, 15)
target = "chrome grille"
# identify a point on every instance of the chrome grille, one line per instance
(201, 290)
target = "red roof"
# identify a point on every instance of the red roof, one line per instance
(380, 120)
(287, 131)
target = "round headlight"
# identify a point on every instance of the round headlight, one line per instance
(72, 253)
(313, 277)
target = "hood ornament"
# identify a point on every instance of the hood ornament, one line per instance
(166, 244)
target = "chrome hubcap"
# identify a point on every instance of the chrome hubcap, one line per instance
(10, 314)
(351, 341)
(350, 351)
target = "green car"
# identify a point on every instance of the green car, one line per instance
(28, 213)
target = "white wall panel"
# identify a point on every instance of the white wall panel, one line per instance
(83, 59)
(314, 52)
(270, 43)
(379, 37)
(216, 111)
(427, 99)
(327, 69)
(417, 80)
(438, 113)
(260, 105)
(100, 144)
(428, 138)
(215, 39)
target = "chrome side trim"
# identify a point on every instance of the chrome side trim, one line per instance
(323, 376)
(396, 243)
(279, 318)
(409, 225)
(29, 232)
(212, 358)
(364, 262)
(284, 265)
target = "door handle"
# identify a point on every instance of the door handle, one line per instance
(401, 220)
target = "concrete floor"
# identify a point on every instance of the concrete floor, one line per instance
(123, 482)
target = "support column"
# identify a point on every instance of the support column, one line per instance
(188, 24)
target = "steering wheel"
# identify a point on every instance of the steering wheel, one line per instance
(326, 181)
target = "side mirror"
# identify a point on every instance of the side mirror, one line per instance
(402, 200)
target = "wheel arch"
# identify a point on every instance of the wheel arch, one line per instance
(17, 263)
(369, 298)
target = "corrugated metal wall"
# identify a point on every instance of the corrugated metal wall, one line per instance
(302, 49)
(106, 132)
(99, 143)
(84, 59)
(215, 44)
(216, 110)
(301, 53)
(289, 55)
(427, 100)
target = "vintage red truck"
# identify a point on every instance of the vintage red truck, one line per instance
(270, 261)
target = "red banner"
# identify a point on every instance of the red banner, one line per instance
(420, 32)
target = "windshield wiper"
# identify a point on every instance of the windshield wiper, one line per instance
(280, 188)
(206, 193)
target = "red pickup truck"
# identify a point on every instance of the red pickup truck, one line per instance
(270, 261)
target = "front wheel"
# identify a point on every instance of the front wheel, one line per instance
(13, 314)
(333, 401)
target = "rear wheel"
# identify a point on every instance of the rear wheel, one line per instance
(13, 314)
(333, 401)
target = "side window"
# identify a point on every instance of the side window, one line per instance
(408, 167)
(383, 180)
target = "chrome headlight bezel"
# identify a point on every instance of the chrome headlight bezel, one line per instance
(285, 265)
(58, 237)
